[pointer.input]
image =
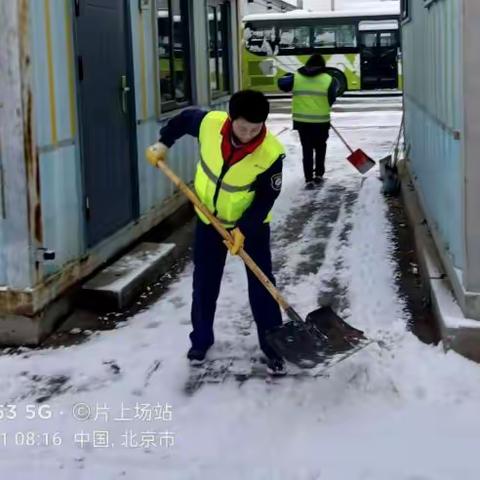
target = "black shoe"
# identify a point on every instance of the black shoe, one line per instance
(196, 356)
(309, 185)
(276, 367)
(318, 180)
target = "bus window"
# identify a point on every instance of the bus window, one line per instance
(262, 41)
(323, 37)
(335, 36)
(388, 39)
(294, 38)
(369, 40)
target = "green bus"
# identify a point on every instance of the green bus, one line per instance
(362, 49)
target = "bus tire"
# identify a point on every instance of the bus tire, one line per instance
(341, 79)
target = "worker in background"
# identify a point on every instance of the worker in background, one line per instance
(313, 93)
(238, 178)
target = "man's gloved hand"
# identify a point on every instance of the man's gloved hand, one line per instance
(238, 239)
(156, 153)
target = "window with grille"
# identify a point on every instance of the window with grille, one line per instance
(219, 41)
(173, 53)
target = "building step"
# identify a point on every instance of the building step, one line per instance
(117, 286)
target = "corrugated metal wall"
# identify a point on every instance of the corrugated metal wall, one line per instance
(3, 276)
(20, 222)
(55, 132)
(55, 108)
(433, 75)
(3, 224)
(56, 129)
(471, 107)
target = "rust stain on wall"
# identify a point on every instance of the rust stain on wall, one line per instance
(31, 155)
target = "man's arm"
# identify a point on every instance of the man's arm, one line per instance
(267, 189)
(332, 91)
(285, 83)
(186, 122)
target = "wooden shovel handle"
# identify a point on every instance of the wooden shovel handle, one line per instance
(341, 138)
(224, 233)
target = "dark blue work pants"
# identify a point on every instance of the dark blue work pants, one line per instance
(209, 260)
(313, 137)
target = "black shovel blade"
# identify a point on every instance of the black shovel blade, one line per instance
(341, 336)
(296, 343)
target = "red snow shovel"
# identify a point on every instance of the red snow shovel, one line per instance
(304, 343)
(358, 158)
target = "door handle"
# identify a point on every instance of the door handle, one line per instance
(124, 89)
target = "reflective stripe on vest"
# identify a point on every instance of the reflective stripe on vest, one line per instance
(310, 98)
(225, 186)
(236, 188)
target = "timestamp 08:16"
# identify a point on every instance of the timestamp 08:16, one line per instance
(30, 439)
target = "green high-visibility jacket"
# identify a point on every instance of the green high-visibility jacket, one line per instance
(310, 98)
(230, 195)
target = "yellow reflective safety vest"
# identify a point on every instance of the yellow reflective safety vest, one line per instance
(310, 98)
(228, 193)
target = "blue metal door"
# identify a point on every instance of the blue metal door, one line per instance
(106, 116)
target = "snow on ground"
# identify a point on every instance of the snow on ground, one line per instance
(402, 410)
